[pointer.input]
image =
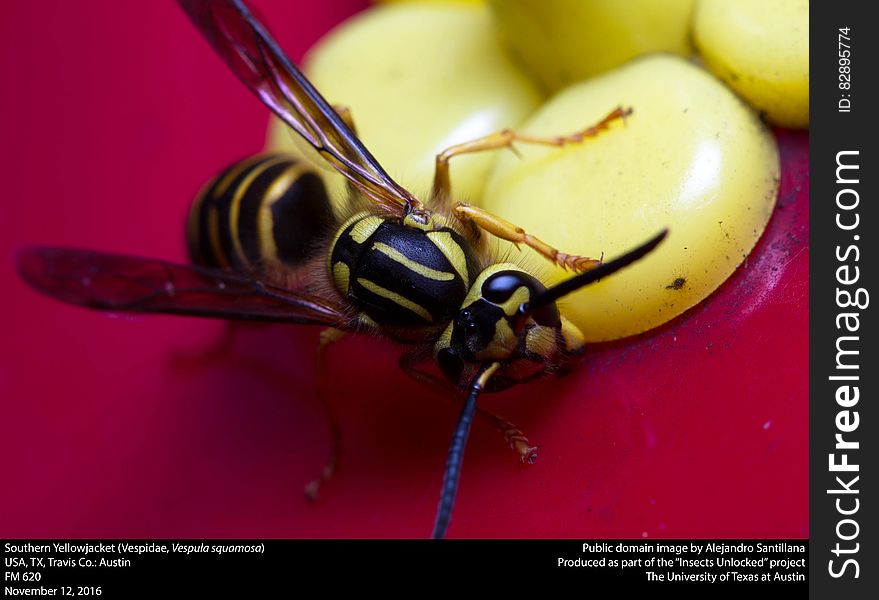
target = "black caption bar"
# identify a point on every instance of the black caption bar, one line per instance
(255, 568)
(843, 417)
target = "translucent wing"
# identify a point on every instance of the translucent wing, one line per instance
(255, 57)
(128, 284)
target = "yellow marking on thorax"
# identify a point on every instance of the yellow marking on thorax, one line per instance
(444, 340)
(432, 223)
(453, 253)
(342, 277)
(366, 320)
(398, 257)
(365, 228)
(235, 205)
(339, 231)
(265, 222)
(395, 298)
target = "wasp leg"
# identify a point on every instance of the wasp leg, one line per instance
(409, 364)
(505, 230)
(327, 337)
(441, 193)
(514, 437)
(345, 113)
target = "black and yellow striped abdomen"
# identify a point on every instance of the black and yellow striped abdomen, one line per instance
(263, 212)
(401, 276)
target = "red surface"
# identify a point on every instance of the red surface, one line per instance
(112, 114)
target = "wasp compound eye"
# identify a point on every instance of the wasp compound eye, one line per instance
(499, 288)
(502, 287)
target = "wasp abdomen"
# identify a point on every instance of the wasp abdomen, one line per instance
(264, 211)
(401, 276)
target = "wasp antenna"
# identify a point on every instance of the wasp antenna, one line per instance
(455, 458)
(591, 276)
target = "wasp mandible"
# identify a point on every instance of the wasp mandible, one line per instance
(267, 245)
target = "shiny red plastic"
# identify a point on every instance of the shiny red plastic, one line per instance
(112, 115)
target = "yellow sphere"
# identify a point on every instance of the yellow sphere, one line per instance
(692, 158)
(564, 41)
(430, 1)
(761, 50)
(419, 78)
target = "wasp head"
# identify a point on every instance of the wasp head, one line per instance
(509, 317)
(494, 324)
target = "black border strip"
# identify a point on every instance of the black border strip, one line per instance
(834, 251)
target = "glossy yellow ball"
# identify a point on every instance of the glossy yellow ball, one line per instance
(419, 78)
(430, 1)
(561, 42)
(761, 50)
(692, 158)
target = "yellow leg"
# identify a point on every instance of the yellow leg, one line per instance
(441, 194)
(327, 337)
(512, 435)
(345, 113)
(505, 230)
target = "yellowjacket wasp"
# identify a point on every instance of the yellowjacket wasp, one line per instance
(268, 246)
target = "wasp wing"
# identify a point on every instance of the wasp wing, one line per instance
(129, 284)
(256, 58)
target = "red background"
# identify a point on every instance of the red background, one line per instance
(112, 114)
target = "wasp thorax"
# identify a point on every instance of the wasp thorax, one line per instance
(399, 275)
